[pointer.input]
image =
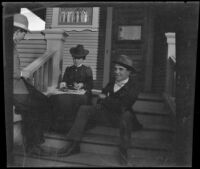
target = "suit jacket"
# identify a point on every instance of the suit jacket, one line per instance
(82, 74)
(123, 99)
(18, 85)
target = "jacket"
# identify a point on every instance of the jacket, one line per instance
(121, 100)
(18, 84)
(82, 74)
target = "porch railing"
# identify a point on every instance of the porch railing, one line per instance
(39, 72)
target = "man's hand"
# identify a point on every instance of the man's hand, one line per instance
(78, 86)
(102, 96)
(63, 85)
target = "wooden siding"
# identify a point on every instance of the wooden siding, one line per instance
(29, 50)
(49, 13)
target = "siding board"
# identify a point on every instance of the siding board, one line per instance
(29, 50)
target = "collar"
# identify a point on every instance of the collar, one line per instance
(122, 82)
(79, 65)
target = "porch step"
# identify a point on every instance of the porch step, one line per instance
(85, 160)
(150, 97)
(108, 144)
(155, 133)
(150, 107)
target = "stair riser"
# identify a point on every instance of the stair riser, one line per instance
(149, 120)
(113, 150)
(34, 162)
(147, 106)
(144, 134)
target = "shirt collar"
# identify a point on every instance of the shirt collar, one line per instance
(122, 82)
(79, 65)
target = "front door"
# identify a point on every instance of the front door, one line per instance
(128, 37)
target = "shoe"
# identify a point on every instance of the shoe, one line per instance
(72, 148)
(123, 157)
(37, 150)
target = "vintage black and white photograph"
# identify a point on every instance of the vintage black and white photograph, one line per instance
(99, 84)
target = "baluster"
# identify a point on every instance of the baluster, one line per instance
(50, 67)
(45, 76)
(37, 79)
(42, 78)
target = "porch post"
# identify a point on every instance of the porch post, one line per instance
(148, 48)
(108, 39)
(55, 42)
(171, 53)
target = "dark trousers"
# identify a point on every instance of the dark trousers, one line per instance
(86, 112)
(34, 118)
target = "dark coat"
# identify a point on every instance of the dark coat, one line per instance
(82, 74)
(123, 99)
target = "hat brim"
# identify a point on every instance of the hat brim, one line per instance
(132, 69)
(86, 52)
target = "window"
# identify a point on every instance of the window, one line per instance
(75, 16)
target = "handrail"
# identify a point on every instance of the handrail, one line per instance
(35, 65)
(39, 72)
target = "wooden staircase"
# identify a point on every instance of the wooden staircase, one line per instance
(151, 146)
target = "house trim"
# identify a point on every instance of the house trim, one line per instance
(93, 27)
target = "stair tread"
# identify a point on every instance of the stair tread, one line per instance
(110, 140)
(150, 96)
(87, 159)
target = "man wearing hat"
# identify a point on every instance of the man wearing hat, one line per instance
(78, 76)
(115, 105)
(28, 101)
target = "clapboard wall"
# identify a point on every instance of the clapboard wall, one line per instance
(94, 41)
(31, 48)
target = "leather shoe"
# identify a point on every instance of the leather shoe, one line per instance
(123, 157)
(37, 150)
(72, 148)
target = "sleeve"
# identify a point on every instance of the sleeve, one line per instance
(88, 85)
(66, 75)
(123, 101)
(16, 64)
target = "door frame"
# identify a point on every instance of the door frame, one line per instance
(147, 51)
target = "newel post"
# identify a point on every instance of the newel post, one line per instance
(171, 53)
(55, 42)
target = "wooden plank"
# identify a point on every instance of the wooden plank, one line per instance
(42, 42)
(31, 50)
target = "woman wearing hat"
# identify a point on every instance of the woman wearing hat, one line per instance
(28, 102)
(78, 76)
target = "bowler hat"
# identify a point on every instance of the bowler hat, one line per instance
(125, 61)
(79, 51)
(21, 21)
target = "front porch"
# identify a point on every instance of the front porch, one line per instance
(45, 57)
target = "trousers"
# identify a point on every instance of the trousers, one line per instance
(88, 112)
(34, 108)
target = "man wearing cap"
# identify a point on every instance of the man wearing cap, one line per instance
(115, 105)
(28, 102)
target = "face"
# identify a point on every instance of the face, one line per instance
(121, 73)
(19, 35)
(77, 62)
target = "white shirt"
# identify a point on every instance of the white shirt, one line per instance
(119, 85)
